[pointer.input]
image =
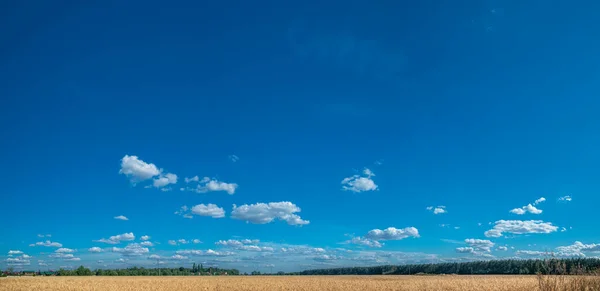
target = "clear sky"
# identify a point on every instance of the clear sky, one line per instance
(265, 135)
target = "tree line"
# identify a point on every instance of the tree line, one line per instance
(494, 267)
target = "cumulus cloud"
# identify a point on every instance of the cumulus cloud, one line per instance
(357, 183)
(480, 244)
(365, 242)
(392, 233)
(95, 250)
(437, 210)
(465, 250)
(261, 213)
(235, 242)
(132, 249)
(183, 241)
(115, 239)
(18, 261)
(47, 244)
(44, 235)
(138, 170)
(147, 244)
(172, 242)
(529, 208)
(121, 217)
(208, 252)
(211, 210)
(502, 248)
(520, 227)
(577, 249)
(207, 184)
(64, 250)
(565, 198)
(17, 252)
(164, 180)
(145, 237)
(196, 241)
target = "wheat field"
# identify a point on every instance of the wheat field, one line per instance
(258, 283)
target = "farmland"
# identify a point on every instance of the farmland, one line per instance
(447, 282)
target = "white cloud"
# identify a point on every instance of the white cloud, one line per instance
(121, 217)
(211, 210)
(132, 249)
(233, 158)
(18, 261)
(565, 198)
(192, 179)
(115, 239)
(147, 244)
(64, 250)
(358, 184)
(17, 252)
(145, 237)
(530, 253)
(61, 255)
(520, 227)
(208, 252)
(528, 208)
(502, 248)
(197, 241)
(121, 260)
(44, 235)
(577, 249)
(392, 233)
(179, 257)
(164, 180)
(95, 250)
(261, 213)
(137, 170)
(437, 210)
(183, 241)
(172, 242)
(47, 244)
(465, 250)
(365, 242)
(480, 244)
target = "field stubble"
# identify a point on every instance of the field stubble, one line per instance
(257, 283)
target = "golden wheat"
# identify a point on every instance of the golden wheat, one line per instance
(258, 283)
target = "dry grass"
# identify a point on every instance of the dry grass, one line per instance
(256, 283)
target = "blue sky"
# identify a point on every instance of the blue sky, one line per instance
(321, 135)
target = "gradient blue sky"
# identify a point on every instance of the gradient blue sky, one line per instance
(479, 106)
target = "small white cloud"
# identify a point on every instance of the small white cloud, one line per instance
(44, 235)
(365, 242)
(183, 241)
(179, 257)
(133, 249)
(145, 237)
(233, 158)
(261, 213)
(17, 252)
(64, 250)
(115, 239)
(520, 227)
(192, 179)
(95, 250)
(197, 241)
(46, 244)
(565, 198)
(172, 242)
(236, 243)
(502, 248)
(392, 233)
(538, 201)
(437, 210)
(358, 184)
(147, 244)
(137, 170)
(480, 244)
(164, 180)
(121, 217)
(464, 250)
(211, 210)
(529, 208)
